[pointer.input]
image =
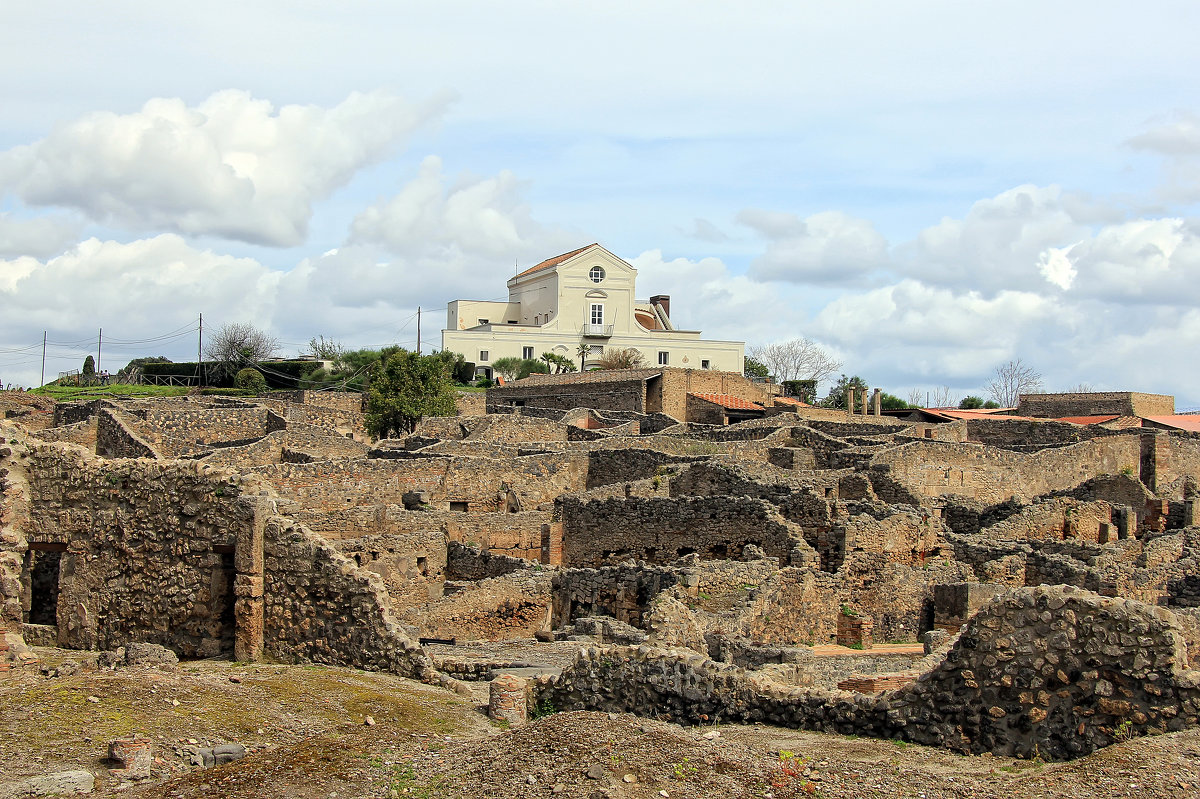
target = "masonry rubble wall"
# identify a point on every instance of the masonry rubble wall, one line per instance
(623, 592)
(176, 431)
(1096, 403)
(116, 438)
(924, 469)
(478, 482)
(515, 605)
(1049, 672)
(179, 553)
(515, 534)
(659, 530)
(347, 402)
(318, 607)
(1030, 435)
(610, 466)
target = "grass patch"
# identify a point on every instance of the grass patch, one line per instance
(77, 393)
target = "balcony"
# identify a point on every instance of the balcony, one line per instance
(597, 331)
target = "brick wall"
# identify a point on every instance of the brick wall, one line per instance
(1121, 403)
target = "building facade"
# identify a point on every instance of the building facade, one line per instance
(584, 298)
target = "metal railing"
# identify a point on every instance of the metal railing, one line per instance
(597, 330)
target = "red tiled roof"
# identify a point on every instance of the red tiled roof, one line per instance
(555, 261)
(791, 401)
(1087, 419)
(595, 376)
(729, 401)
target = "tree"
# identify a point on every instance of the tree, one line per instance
(942, 398)
(238, 344)
(755, 369)
(837, 394)
(1011, 381)
(250, 379)
(404, 388)
(803, 390)
(325, 350)
(890, 402)
(89, 366)
(970, 403)
(616, 358)
(798, 359)
(559, 363)
(582, 351)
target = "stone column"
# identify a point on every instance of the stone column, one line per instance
(877, 403)
(248, 586)
(864, 402)
(508, 699)
(850, 402)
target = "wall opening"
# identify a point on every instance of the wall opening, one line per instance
(223, 598)
(460, 507)
(43, 565)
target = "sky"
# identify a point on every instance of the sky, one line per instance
(929, 189)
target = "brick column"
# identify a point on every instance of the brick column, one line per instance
(248, 586)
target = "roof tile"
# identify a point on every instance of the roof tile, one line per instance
(555, 261)
(729, 401)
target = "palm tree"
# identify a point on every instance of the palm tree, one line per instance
(583, 350)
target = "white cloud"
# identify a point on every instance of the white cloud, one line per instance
(829, 247)
(233, 166)
(1056, 266)
(38, 237)
(998, 245)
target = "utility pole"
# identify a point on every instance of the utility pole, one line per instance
(418, 330)
(99, 346)
(43, 358)
(200, 353)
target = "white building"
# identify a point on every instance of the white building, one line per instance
(580, 298)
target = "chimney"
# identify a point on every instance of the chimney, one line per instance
(662, 301)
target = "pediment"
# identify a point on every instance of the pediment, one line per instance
(597, 294)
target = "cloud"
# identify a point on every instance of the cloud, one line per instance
(233, 166)
(1177, 138)
(829, 247)
(1056, 267)
(703, 230)
(1001, 243)
(38, 237)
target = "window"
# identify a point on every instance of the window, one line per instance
(597, 312)
(704, 364)
(483, 355)
(483, 321)
(527, 352)
(537, 320)
(664, 358)
(597, 274)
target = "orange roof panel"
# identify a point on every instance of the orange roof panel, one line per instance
(729, 401)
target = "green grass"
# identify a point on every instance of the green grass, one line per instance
(72, 393)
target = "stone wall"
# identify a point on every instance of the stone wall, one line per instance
(174, 431)
(937, 469)
(660, 530)
(1030, 435)
(614, 394)
(1121, 403)
(1047, 672)
(623, 592)
(347, 402)
(115, 437)
(318, 607)
(480, 483)
(1059, 519)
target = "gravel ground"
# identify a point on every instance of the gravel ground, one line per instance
(308, 738)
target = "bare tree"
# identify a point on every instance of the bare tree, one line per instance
(916, 398)
(1011, 381)
(798, 359)
(239, 344)
(628, 358)
(1081, 388)
(942, 398)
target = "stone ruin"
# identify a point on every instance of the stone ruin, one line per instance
(1026, 588)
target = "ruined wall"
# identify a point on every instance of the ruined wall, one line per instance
(1030, 435)
(1121, 403)
(611, 466)
(115, 437)
(659, 530)
(148, 552)
(175, 431)
(622, 592)
(296, 444)
(478, 482)
(516, 605)
(1059, 519)
(613, 394)
(347, 402)
(936, 469)
(1050, 672)
(317, 606)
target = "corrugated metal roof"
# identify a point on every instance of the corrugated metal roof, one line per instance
(1087, 419)
(1189, 422)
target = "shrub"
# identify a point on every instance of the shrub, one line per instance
(250, 379)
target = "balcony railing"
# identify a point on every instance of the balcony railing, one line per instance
(603, 331)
